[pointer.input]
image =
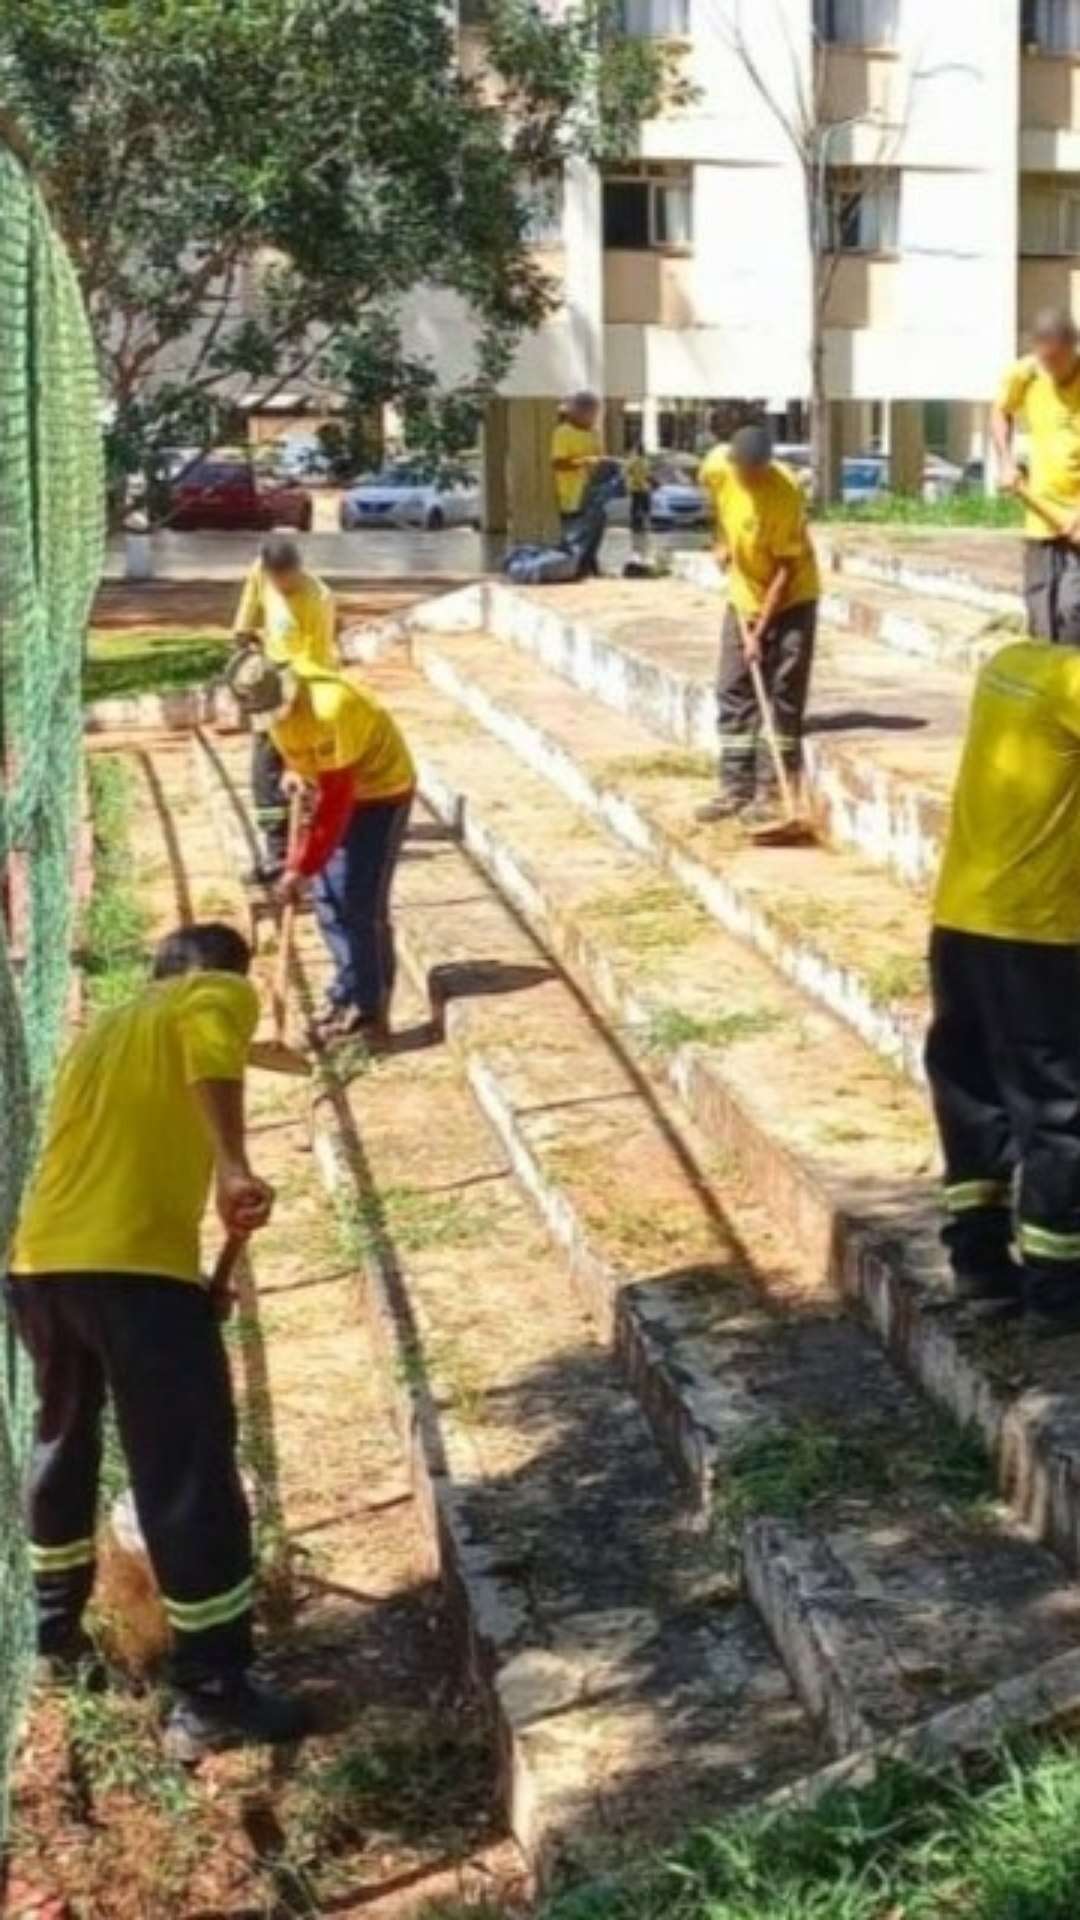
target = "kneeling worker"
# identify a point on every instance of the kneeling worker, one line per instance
(339, 739)
(1003, 1053)
(286, 611)
(106, 1293)
(773, 590)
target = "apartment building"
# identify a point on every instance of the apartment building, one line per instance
(946, 135)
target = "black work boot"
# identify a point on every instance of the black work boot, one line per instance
(232, 1712)
(994, 1289)
(1051, 1306)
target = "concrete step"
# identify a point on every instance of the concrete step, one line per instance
(972, 567)
(884, 732)
(846, 934)
(948, 619)
(835, 1148)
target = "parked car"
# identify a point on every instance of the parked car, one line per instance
(864, 479)
(414, 494)
(941, 478)
(237, 496)
(677, 499)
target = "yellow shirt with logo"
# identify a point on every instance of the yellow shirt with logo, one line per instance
(763, 528)
(1052, 414)
(301, 622)
(572, 443)
(124, 1173)
(1011, 867)
(334, 725)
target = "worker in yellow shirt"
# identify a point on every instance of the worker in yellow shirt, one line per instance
(344, 745)
(106, 1292)
(773, 588)
(1003, 1053)
(1044, 391)
(286, 611)
(576, 450)
(639, 488)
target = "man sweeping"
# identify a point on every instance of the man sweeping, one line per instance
(286, 611)
(773, 589)
(341, 742)
(1044, 391)
(106, 1291)
(1003, 1054)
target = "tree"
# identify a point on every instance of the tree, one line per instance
(797, 97)
(248, 189)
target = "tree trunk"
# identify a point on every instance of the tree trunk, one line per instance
(822, 464)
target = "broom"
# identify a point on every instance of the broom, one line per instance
(795, 829)
(1034, 505)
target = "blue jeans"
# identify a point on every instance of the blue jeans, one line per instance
(352, 904)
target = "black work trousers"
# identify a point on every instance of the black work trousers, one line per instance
(1052, 590)
(155, 1346)
(271, 807)
(1003, 1060)
(787, 657)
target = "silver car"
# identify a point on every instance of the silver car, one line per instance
(414, 493)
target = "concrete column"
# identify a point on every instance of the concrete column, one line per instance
(532, 511)
(614, 427)
(907, 446)
(965, 431)
(494, 447)
(650, 424)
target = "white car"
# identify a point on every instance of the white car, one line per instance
(677, 499)
(414, 493)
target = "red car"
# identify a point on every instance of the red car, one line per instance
(232, 495)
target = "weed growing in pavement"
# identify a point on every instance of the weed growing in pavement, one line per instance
(412, 1219)
(901, 976)
(114, 933)
(657, 918)
(116, 1740)
(670, 1028)
(674, 765)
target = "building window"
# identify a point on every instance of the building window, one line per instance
(1052, 26)
(655, 19)
(1050, 220)
(649, 211)
(863, 210)
(543, 202)
(857, 23)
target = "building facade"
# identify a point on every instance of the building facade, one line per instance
(939, 143)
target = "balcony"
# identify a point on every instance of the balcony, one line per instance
(862, 84)
(648, 289)
(1050, 113)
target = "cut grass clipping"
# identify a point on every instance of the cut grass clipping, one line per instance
(115, 930)
(147, 660)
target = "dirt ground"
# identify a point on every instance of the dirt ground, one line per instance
(393, 1804)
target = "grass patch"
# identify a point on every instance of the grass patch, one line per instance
(676, 764)
(117, 1741)
(670, 1028)
(1001, 512)
(912, 1846)
(113, 945)
(149, 660)
(900, 976)
(412, 1219)
(787, 1471)
(657, 918)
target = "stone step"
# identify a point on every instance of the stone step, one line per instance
(973, 568)
(835, 1148)
(633, 1688)
(890, 1599)
(884, 733)
(846, 934)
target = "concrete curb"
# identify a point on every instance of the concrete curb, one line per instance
(936, 583)
(889, 1264)
(892, 1032)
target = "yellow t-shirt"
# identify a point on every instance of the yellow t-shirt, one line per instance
(1012, 858)
(1053, 419)
(125, 1169)
(570, 443)
(302, 622)
(340, 725)
(762, 527)
(637, 473)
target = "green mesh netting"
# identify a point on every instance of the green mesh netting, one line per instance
(51, 526)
